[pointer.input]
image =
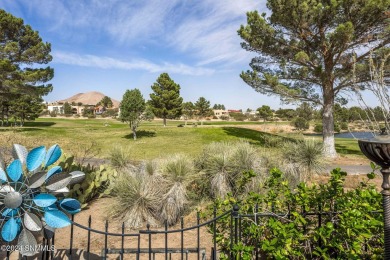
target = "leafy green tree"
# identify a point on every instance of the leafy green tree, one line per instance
(356, 113)
(67, 109)
(134, 110)
(340, 114)
(238, 116)
(308, 49)
(301, 123)
(88, 111)
(106, 102)
(305, 110)
(165, 100)
(202, 107)
(188, 111)
(285, 113)
(265, 112)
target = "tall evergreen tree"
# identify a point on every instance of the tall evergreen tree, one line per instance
(308, 50)
(26, 107)
(67, 109)
(165, 100)
(265, 112)
(202, 107)
(134, 110)
(21, 50)
(188, 111)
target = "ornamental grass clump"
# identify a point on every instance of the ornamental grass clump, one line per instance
(137, 199)
(178, 172)
(216, 162)
(303, 158)
(224, 165)
(119, 157)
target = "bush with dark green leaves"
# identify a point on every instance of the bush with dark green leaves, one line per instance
(344, 126)
(355, 232)
(318, 128)
(301, 123)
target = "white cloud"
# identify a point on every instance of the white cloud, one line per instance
(111, 63)
(213, 35)
(205, 31)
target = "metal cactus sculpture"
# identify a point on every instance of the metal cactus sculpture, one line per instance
(29, 196)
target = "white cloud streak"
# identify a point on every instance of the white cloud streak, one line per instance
(111, 63)
(205, 31)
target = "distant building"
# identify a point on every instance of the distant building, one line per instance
(219, 112)
(57, 108)
(80, 102)
(235, 111)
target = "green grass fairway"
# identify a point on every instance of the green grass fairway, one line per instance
(154, 140)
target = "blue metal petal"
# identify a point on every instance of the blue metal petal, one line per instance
(20, 152)
(10, 230)
(15, 170)
(3, 176)
(54, 170)
(56, 219)
(10, 212)
(71, 206)
(51, 207)
(53, 154)
(44, 200)
(35, 158)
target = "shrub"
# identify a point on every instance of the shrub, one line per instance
(253, 118)
(318, 128)
(336, 128)
(238, 116)
(224, 118)
(271, 141)
(344, 126)
(352, 233)
(301, 123)
(53, 114)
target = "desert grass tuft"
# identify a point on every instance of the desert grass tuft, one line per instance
(120, 157)
(137, 199)
(179, 172)
(303, 158)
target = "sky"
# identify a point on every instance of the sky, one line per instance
(114, 45)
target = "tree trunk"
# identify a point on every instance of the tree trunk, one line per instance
(165, 121)
(134, 134)
(328, 123)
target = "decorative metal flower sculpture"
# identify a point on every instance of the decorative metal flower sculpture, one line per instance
(28, 196)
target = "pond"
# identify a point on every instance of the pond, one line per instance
(357, 135)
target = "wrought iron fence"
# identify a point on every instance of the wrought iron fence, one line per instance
(166, 252)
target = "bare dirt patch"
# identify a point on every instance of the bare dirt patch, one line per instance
(98, 211)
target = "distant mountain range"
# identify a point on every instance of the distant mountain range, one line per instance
(89, 98)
